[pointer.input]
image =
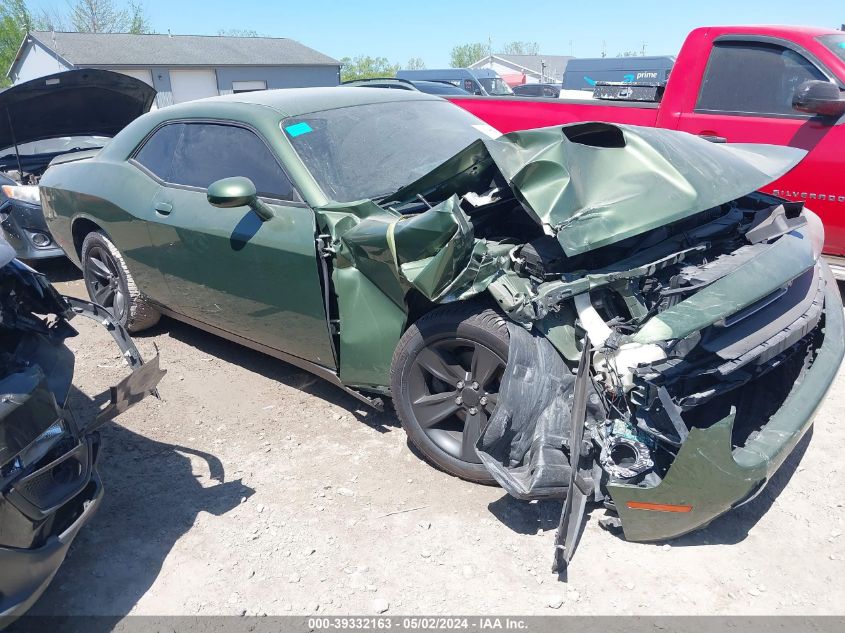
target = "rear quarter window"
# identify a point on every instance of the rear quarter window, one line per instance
(157, 153)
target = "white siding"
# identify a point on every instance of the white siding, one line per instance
(37, 62)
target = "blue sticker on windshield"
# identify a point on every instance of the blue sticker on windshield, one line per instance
(841, 44)
(298, 129)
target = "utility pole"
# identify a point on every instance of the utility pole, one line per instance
(604, 48)
(644, 45)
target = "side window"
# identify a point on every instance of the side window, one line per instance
(209, 152)
(754, 78)
(157, 153)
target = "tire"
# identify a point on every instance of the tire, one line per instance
(445, 374)
(110, 284)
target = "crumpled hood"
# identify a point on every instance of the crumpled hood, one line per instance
(84, 102)
(593, 184)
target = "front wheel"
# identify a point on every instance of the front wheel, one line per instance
(110, 284)
(445, 381)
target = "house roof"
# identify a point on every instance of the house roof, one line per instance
(555, 64)
(126, 49)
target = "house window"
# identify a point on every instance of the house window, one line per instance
(248, 86)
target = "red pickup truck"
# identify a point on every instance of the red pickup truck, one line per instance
(735, 84)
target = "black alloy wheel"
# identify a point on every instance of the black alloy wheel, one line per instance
(445, 382)
(453, 389)
(104, 282)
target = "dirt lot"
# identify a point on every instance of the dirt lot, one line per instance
(253, 487)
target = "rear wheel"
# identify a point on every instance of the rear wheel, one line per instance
(111, 285)
(445, 384)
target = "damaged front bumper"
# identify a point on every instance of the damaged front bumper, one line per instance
(49, 486)
(680, 504)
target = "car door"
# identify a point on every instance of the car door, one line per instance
(746, 97)
(226, 267)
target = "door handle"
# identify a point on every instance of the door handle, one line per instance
(713, 138)
(163, 208)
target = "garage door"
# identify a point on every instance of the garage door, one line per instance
(188, 85)
(144, 74)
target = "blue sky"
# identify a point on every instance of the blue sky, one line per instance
(402, 29)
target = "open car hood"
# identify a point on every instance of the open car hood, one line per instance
(593, 184)
(82, 102)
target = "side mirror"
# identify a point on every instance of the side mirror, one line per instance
(229, 193)
(819, 97)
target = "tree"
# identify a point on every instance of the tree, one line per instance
(415, 63)
(138, 20)
(465, 55)
(521, 48)
(629, 54)
(103, 16)
(366, 67)
(97, 16)
(50, 19)
(15, 22)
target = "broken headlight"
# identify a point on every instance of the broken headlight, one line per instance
(39, 447)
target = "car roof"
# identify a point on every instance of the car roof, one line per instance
(291, 102)
(444, 86)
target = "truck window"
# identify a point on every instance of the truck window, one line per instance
(754, 78)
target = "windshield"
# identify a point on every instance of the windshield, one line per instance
(58, 145)
(495, 86)
(836, 43)
(371, 150)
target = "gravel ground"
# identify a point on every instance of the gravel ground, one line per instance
(253, 487)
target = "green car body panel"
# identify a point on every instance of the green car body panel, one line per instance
(267, 282)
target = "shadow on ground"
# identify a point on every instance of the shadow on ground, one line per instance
(274, 369)
(153, 496)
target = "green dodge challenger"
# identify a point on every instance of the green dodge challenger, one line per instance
(598, 312)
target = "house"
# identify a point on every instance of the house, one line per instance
(179, 67)
(520, 69)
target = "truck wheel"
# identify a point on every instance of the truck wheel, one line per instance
(445, 383)
(110, 284)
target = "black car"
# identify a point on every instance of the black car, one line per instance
(429, 87)
(550, 91)
(77, 111)
(49, 486)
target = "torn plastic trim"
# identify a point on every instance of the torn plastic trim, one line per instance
(551, 293)
(141, 382)
(735, 476)
(522, 444)
(780, 262)
(580, 485)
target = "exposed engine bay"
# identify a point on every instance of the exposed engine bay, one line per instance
(645, 393)
(638, 340)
